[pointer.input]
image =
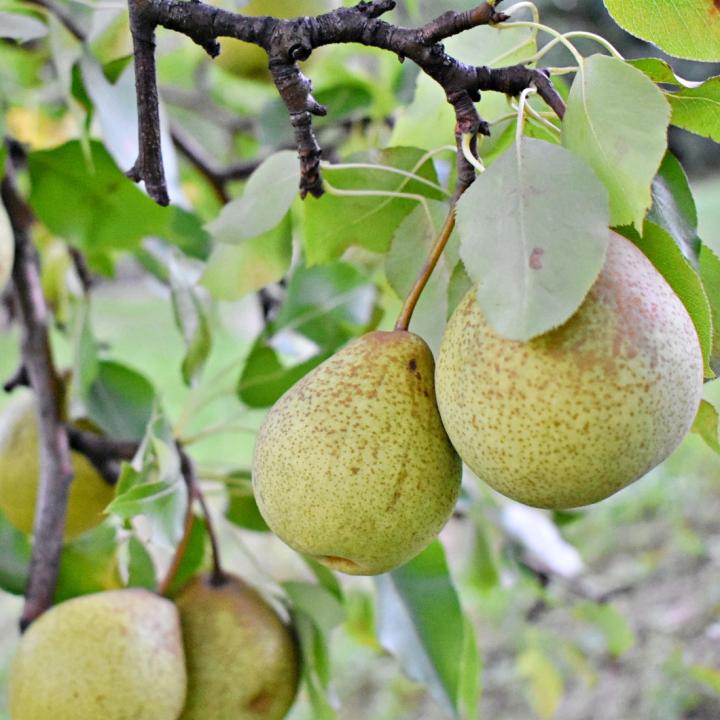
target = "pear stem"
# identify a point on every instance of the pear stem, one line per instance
(194, 493)
(408, 308)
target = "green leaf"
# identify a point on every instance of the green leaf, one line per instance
(707, 676)
(619, 637)
(697, 109)
(533, 269)
(411, 599)
(333, 223)
(88, 564)
(21, 27)
(673, 207)
(234, 271)
(469, 689)
(268, 195)
(411, 245)
(89, 202)
(242, 510)
(193, 557)
(706, 425)
(483, 569)
(459, 286)
(265, 378)
(710, 274)
(689, 29)
(192, 320)
(14, 558)
(316, 612)
(666, 256)
(141, 568)
(617, 120)
(325, 577)
(120, 401)
(543, 682)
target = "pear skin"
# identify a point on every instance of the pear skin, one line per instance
(20, 474)
(242, 660)
(352, 465)
(115, 655)
(574, 415)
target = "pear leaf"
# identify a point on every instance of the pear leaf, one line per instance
(706, 425)
(689, 29)
(532, 265)
(410, 601)
(617, 120)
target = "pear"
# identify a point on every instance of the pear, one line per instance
(574, 415)
(250, 61)
(20, 474)
(113, 655)
(242, 660)
(352, 465)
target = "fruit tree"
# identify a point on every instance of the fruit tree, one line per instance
(292, 286)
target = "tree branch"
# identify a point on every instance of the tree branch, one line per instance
(55, 468)
(290, 41)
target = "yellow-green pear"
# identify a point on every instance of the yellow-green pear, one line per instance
(352, 465)
(113, 655)
(578, 413)
(251, 61)
(242, 660)
(20, 474)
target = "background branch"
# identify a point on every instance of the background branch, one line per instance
(55, 468)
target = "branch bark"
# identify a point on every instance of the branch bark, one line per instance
(55, 467)
(290, 41)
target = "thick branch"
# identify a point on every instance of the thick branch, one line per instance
(55, 467)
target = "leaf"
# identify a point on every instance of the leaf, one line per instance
(410, 601)
(21, 27)
(532, 265)
(120, 401)
(88, 564)
(141, 568)
(89, 202)
(689, 29)
(242, 510)
(617, 120)
(665, 255)
(333, 224)
(697, 109)
(618, 635)
(411, 245)
(544, 686)
(234, 271)
(706, 425)
(673, 207)
(710, 274)
(192, 320)
(193, 557)
(268, 195)
(14, 558)
(316, 612)
(470, 673)
(708, 676)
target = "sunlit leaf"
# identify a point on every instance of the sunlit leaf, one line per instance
(706, 425)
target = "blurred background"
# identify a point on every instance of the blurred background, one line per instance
(608, 613)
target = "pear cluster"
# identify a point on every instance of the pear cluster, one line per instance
(358, 465)
(219, 653)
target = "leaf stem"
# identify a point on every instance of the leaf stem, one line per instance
(408, 308)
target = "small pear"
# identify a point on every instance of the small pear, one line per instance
(574, 415)
(242, 660)
(352, 465)
(20, 474)
(113, 655)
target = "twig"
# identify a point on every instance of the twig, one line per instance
(104, 453)
(55, 467)
(63, 16)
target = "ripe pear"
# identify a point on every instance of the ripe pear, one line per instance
(574, 415)
(242, 660)
(250, 61)
(20, 474)
(113, 655)
(352, 465)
